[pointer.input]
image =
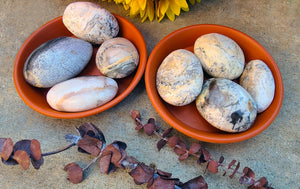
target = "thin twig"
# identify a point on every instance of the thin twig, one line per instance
(59, 150)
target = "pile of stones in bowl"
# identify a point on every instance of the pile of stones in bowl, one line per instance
(56, 63)
(225, 103)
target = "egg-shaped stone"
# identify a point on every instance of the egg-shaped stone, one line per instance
(82, 93)
(226, 105)
(57, 60)
(117, 58)
(179, 78)
(90, 22)
(220, 56)
(258, 80)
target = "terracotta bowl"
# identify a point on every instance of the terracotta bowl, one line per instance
(36, 97)
(186, 119)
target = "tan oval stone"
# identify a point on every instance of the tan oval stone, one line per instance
(82, 93)
(90, 22)
(258, 80)
(117, 58)
(179, 78)
(220, 56)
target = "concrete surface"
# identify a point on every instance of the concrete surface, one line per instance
(274, 153)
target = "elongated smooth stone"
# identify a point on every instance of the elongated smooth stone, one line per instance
(57, 60)
(82, 93)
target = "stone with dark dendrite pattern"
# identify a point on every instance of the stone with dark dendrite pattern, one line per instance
(226, 105)
(90, 22)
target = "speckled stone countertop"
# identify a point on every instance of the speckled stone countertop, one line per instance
(274, 153)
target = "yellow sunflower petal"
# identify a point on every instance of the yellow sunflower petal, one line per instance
(170, 14)
(174, 7)
(142, 4)
(182, 4)
(134, 8)
(163, 6)
(150, 10)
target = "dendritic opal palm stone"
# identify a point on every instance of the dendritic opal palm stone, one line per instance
(258, 80)
(90, 22)
(117, 58)
(226, 105)
(82, 93)
(57, 60)
(220, 56)
(179, 78)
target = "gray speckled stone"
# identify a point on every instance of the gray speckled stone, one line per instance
(117, 58)
(90, 22)
(258, 80)
(179, 78)
(226, 105)
(82, 93)
(57, 60)
(220, 56)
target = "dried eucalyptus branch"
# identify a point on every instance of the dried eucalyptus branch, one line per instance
(111, 157)
(247, 176)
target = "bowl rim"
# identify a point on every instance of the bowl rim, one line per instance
(201, 135)
(72, 115)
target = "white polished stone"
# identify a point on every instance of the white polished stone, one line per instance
(82, 93)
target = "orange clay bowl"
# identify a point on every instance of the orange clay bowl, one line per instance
(186, 119)
(36, 97)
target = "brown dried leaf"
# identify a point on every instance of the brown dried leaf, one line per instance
(231, 163)
(221, 160)
(37, 163)
(92, 131)
(141, 174)
(6, 148)
(90, 145)
(22, 158)
(195, 147)
(262, 183)
(160, 144)
(135, 114)
(180, 148)
(207, 156)
(173, 141)
(235, 170)
(168, 131)
(212, 166)
(248, 172)
(104, 162)
(161, 183)
(35, 149)
(163, 173)
(183, 156)
(195, 183)
(149, 128)
(75, 172)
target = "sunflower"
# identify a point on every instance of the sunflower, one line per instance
(155, 8)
